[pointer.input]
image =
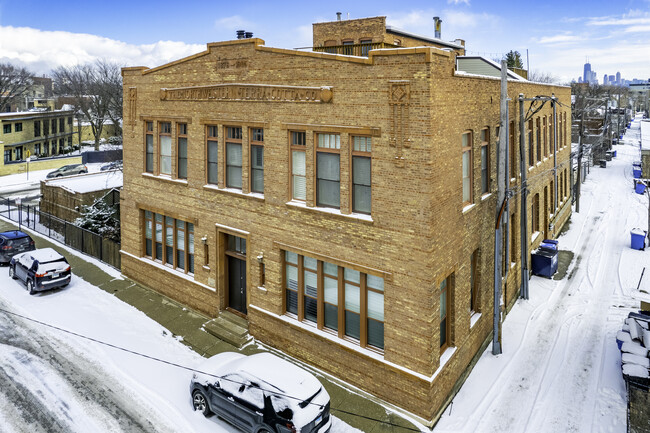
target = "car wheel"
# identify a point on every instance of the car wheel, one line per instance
(30, 287)
(59, 175)
(200, 403)
(12, 272)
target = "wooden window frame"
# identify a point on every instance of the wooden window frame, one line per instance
(181, 133)
(535, 214)
(159, 147)
(512, 150)
(255, 143)
(545, 136)
(240, 142)
(208, 129)
(320, 317)
(531, 144)
(175, 228)
(467, 149)
(485, 149)
(318, 150)
(297, 148)
(447, 317)
(474, 282)
(513, 239)
(359, 154)
(560, 137)
(538, 136)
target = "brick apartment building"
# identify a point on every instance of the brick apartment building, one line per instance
(344, 204)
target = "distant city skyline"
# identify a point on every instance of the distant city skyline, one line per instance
(590, 76)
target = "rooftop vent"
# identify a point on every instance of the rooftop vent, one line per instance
(338, 16)
(249, 35)
(241, 34)
(437, 24)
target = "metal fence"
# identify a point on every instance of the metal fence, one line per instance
(63, 231)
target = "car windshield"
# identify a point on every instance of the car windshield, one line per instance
(303, 404)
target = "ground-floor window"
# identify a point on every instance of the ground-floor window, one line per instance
(169, 241)
(341, 300)
(7, 155)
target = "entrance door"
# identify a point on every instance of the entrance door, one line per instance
(237, 284)
(236, 273)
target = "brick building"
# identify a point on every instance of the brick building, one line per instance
(343, 204)
(43, 134)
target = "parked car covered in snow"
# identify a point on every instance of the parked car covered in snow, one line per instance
(113, 165)
(68, 170)
(40, 270)
(261, 393)
(14, 242)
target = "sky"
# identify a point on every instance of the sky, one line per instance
(558, 35)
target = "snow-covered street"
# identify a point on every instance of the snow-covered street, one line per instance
(52, 381)
(560, 369)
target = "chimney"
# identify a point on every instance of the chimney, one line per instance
(437, 24)
(338, 16)
(249, 35)
(240, 34)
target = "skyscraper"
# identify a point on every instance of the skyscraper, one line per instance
(586, 76)
(618, 78)
(605, 80)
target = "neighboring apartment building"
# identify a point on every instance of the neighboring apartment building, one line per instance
(37, 133)
(343, 204)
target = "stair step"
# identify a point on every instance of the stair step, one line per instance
(228, 327)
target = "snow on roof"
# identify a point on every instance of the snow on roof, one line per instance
(90, 182)
(45, 255)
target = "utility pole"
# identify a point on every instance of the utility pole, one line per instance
(502, 175)
(579, 174)
(524, 196)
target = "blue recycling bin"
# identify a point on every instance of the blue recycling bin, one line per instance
(639, 187)
(637, 173)
(638, 239)
(549, 244)
(614, 153)
(544, 262)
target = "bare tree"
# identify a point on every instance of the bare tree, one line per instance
(96, 89)
(538, 76)
(14, 82)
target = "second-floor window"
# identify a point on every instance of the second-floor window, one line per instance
(61, 124)
(298, 168)
(531, 144)
(257, 160)
(485, 160)
(328, 171)
(234, 157)
(361, 185)
(165, 142)
(37, 128)
(18, 127)
(212, 133)
(6, 129)
(148, 147)
(54, 125)
(467, 167)
(181, 151)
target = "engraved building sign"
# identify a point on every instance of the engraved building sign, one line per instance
(248, 92)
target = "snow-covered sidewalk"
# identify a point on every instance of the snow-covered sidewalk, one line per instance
(560, 369)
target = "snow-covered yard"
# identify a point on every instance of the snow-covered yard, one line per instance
(561, 368)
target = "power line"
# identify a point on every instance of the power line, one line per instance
(174, 364)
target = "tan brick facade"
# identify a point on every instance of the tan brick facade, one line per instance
(415, 108)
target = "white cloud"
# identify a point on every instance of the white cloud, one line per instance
(41, 51)
(638, 29)
(457, 2)
(559, 39)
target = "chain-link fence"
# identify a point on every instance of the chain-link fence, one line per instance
(63, 231)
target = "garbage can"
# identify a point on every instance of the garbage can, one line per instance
(544, 262)
(603, 164)
(639, 187)
(614, 153)
(636, 172)
(638, 239)
(608, 155)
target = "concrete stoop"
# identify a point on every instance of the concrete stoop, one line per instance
(229, 327)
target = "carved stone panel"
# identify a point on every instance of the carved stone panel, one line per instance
(399, 98)
(132, 101)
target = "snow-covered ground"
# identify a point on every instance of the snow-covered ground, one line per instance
(24, 181)
(560, 369)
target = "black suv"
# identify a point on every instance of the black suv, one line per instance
(40, 270)
(14, 242)
(261, 393)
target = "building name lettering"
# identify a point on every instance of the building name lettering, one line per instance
(248, 92)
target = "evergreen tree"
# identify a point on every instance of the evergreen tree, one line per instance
(514, 60)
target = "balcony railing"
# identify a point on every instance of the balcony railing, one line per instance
(360, 50)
